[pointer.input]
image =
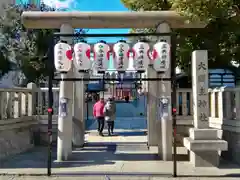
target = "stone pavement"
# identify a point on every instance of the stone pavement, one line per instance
(109, 178)
(124, 156)
(131, 123)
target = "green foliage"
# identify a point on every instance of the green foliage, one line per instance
(26, 49)
(147, 5)
(221, 37)
(4, 61)
(204, 10)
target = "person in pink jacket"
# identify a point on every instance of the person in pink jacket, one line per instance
(99, 115)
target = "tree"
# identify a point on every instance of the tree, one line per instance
(221, 37)
(25, 48)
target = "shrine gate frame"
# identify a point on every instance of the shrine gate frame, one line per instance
(172, 79)
(143, 19)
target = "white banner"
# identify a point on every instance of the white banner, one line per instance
(163, 108)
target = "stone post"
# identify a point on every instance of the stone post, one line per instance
(164, 91)
(154, 132)
(203, 142)
(200, 89)
(237, 105)
(79, 109)
(64, 141)
(32, 106)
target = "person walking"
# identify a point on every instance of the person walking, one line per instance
(99, 115)
(110, 114)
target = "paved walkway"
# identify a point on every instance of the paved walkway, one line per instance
(109, 178)
(124, 156)
(130, 123)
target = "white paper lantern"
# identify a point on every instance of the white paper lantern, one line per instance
(141, 56)
(63, 57)
(82, 53)
(121, 55)
(161, 56)
(101, 56)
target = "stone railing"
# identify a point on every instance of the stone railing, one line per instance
(184, 106)
(17, 105)
(184, 103)
(31, 103)
(184, 109)
(20, 108)
(42, 102)
(17, 117)
(225, 108)
(225, 116)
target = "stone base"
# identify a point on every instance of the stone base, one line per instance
(204, 159)
(203, 134)
(63, 157)
(204, 147)
(15, 141)
(154, 134)
(78, 137)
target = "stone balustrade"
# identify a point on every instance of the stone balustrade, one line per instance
(23, 110)
(225, 116)
(17, 117)
(184, 103)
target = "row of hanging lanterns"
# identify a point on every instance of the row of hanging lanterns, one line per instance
(80, 55)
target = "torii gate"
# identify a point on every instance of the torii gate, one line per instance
(67, 21)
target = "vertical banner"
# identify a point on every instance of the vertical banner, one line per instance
(200, 88)
(63, 109)
(163, 108)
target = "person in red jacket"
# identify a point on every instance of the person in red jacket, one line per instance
(99, 114)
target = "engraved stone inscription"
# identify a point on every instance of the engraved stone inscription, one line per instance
(200, 88)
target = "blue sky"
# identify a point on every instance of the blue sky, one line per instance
(102, 5)
(89, 5)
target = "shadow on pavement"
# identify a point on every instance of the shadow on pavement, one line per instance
(103, 153)
(136, 133)
(211, 176)
(91, 154)
(146, 175)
